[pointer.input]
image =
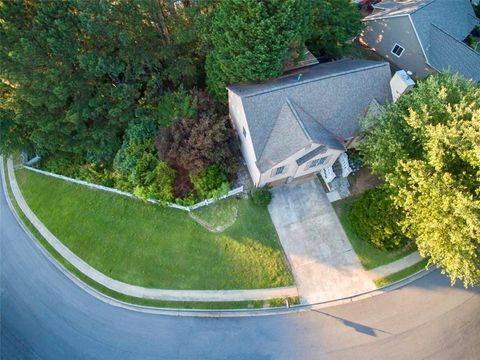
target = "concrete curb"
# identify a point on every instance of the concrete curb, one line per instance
(133, 290)
(201, 312)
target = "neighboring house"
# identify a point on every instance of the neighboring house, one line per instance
(301, 123)
(424, 36)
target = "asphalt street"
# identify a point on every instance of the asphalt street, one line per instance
(44, 315)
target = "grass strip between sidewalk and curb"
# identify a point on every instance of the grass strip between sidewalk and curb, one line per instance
(399, 275)
(272, 303)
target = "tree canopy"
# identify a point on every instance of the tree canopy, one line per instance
(427, 147)
(76, 72)
(335, 24)
(251, 39)
(96, 87)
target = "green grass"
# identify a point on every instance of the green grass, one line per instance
(370, 256)
(380, 282)
(278, 302)
(218, 216)
(152, 246)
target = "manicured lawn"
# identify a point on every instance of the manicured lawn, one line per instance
(384, 281)
(152, 246)
(369, 255)
(217, 216)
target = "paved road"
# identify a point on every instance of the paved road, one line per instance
(323, 261)
(44, 315)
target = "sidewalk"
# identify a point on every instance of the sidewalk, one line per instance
(395, 266)
(132, 290)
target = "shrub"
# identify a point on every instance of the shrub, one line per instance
(476, 29)
(476, 8)
(175, 105)
(191, 145)
(97, 175)
(61, 165)
(153, 179)
(375, 219)
(261, 197)
(136, 141)
(471, 41)
(211, 182)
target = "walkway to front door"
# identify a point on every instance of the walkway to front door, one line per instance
(324, 264)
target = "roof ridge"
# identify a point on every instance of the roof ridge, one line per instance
(295, 115)
(422, 7)
(376, 64)
(299, 120)
(318, 122)
(454, 38)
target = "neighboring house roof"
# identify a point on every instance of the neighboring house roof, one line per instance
(392, 8)
(319, 104)
(434, 21)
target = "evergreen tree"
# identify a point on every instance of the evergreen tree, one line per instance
(335, 24)
(77, 72)
(251, 40)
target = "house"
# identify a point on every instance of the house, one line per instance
(303, 122)
(424, 36)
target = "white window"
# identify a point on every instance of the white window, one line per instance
(397, 50)
(278, 171)
(317, 162)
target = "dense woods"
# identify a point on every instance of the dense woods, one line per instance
(132, 93)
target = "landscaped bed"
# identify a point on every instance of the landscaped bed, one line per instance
(370, 256)
(152, 246)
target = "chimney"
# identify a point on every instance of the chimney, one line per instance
(401, 83)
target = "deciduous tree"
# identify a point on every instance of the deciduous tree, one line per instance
(433, 167)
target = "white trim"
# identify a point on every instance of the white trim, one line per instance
(384, 17)
(400, 47)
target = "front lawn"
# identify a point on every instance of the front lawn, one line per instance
(218, 216)
(370, 256)
(157, 247)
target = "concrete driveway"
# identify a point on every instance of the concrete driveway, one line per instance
(323, 262)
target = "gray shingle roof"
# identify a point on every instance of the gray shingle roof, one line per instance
(278, 146)
(315, 131)
(455, 17)
(318, 104)
(448, 53)
(390, 8)
(302, 130)
(436, 21)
